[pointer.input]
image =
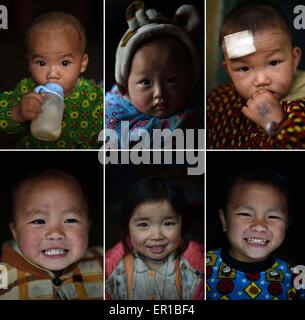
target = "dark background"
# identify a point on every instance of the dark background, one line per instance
(287, 7)
(220, 165)
(21, 13)
(116, 26)
(83, 165)
(120, 178)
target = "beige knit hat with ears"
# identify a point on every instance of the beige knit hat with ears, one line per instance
(144, 24)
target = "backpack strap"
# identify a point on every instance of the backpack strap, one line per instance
(129, 268)
(179, 284)
(128, 264)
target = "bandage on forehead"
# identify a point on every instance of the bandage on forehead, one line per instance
(239, 44)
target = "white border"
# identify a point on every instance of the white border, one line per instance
(103, 148)
(205, 154)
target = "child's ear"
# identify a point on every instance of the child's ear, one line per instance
(297, 54)
(224, 64)
(223, 219)
(13, 230)
(84, 63)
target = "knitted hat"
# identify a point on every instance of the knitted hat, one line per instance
(144, 24)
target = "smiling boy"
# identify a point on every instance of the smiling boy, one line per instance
(48, 258)
(255, 218)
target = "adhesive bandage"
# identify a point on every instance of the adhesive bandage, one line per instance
(239, 44)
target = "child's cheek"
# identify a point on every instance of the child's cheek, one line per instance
(137, 240)
(140, 102)
(175, 238)
(79, 238)
(29, 243)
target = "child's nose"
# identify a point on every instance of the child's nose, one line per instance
(55, 234)
(262, 78)
(159, 91)
(53, 73)
(259, 226)
(157, 233)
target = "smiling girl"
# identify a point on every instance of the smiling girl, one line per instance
(156, 260)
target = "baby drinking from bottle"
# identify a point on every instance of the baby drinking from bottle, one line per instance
(56, 53)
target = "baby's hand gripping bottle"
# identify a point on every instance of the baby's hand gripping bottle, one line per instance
(47, 126)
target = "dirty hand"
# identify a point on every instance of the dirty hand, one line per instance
(263, 108)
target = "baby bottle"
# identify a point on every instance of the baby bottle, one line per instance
(47, 126)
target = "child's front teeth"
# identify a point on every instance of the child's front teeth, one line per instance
(257, 241)
(54, 252)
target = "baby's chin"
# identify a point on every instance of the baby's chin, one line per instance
(249, 256)
(55, 268)
(54, 263)
(161, 113)
(253, 256)
(257, 258)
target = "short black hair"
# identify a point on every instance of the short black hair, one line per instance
(29, 180)
(259, 174)
(255, 16)
(151, 189)
(57, 19)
